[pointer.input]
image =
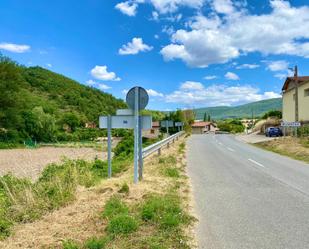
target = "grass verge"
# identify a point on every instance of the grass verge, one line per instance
(148, 215)
(296, 148)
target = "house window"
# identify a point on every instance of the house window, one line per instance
(306, 92)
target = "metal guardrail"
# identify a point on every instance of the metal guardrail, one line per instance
(156, 147)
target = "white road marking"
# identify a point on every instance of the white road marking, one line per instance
(255, 162)
(230, 149)
(219, 143)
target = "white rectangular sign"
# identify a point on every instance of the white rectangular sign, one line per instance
(125, 122)
(124, 112)
(290, 124)
(169, 123)
(177, 124)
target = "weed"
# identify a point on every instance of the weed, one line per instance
(114, 206)
(70, 244)
(122, 224)
(172, 172)
(167, 160)
(164, 211)
(96, 243)
(124, 188)
(182, 147)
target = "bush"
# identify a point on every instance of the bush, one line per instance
(122, 224)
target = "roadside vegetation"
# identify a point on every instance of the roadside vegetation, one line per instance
(24, 201)
(297, 148)
(231, 125)
(158, 220)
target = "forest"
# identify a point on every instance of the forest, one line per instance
(41, 105)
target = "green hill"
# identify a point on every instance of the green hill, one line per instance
(242, 111)
(37, 103)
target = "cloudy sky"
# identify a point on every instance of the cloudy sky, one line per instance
(186, 53)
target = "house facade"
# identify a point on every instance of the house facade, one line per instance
(200, 127)
(295, 99)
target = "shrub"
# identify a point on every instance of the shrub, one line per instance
(122, 224)
(114, 206)
(167, 160)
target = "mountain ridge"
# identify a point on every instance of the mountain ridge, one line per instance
(242, 111)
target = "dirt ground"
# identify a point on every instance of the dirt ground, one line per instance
(30, 162)
(80, 220)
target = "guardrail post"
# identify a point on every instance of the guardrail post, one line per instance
(159, 151)
(168, 145)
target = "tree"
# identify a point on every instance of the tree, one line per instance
(205, 117)
(72, 120)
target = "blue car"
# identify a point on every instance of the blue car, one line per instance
(273, 132)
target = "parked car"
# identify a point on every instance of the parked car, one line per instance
(273, 132)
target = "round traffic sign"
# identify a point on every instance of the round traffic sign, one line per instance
(143, 98)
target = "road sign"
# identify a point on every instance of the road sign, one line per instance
(290, 124)
(122, 112)
(167, 123)
(177, 124)
(142, 96)
(125, 122)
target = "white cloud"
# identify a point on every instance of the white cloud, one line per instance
(14, 48)
(103, 87)
(281, 76)
(98, 85)
(101, 73)
(191, 85)
(223, 6)
(231, 76)
(247, 66)
(277, 65)
(210, 77)
(128, 8)
(154, 93)
(217, 95)
(137, 45)
(155, 16)
(156, 36)
(169, 6)
(49, 65)
(91, 82)
(124, 91)
(216, 39)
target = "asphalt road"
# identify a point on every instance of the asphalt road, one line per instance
(246, 197)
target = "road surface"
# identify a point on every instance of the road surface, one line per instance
(246, 197)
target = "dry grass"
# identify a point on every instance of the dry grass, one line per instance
(81, 220)
(30, 163)
(297, 148)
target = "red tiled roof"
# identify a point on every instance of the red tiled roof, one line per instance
(201, 124)
(156, 124)
(301, 80)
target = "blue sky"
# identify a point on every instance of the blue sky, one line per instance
(186, 53)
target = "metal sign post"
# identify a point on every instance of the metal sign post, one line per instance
(137, 99)
(109, 145)
(136, 135)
